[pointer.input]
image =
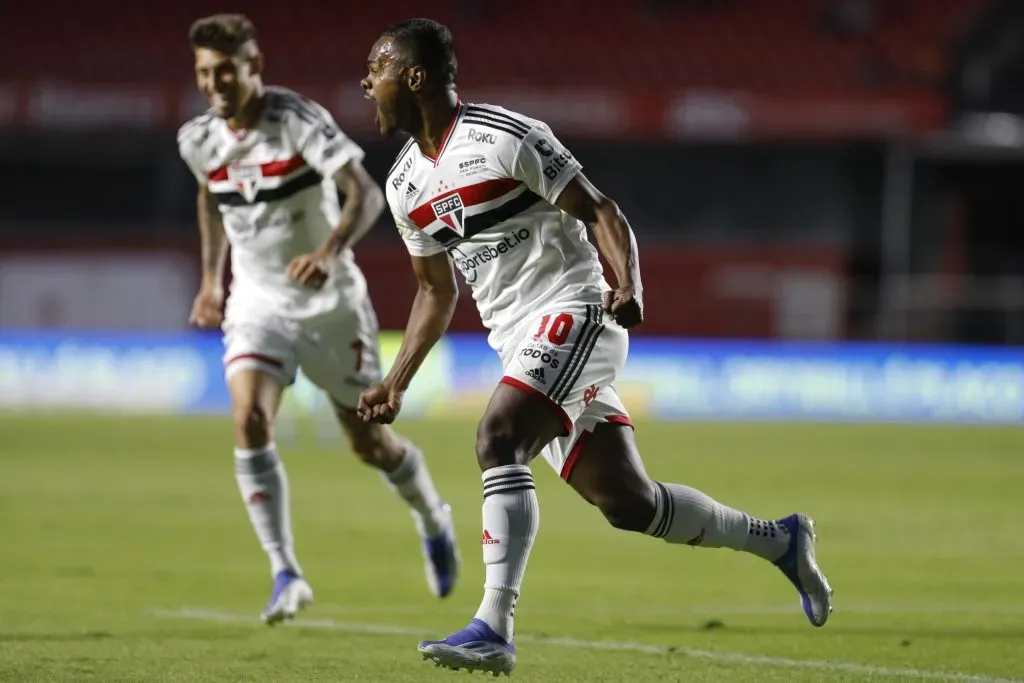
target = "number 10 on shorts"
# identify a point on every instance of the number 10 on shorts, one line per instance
(557, 328)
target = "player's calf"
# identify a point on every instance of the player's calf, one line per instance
(405, 471)
(609, 474)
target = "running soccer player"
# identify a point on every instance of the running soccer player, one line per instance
(270, 164)
(496, 194)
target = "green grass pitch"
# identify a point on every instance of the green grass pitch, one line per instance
(127, 556)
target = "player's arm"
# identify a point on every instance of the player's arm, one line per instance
(364, 202)
(213, 239)
(206, 309)
(552, 172)
(616, 242)
(432, 310)
(334, 155)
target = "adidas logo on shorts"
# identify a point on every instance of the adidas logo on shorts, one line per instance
(537, 374)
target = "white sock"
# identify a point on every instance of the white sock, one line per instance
(264, 487)
(686, 515)
(411, 480)
(511, 517)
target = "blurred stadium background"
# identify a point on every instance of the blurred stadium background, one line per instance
(827, 197)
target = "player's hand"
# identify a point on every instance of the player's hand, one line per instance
(380, 403)
(310, 270)
(625, 306)
(206, 308)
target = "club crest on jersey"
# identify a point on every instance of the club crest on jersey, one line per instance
(246, 179)
(450, 211)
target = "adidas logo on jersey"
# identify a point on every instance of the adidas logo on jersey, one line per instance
(537, 374)
(487, 539)
(410, 190)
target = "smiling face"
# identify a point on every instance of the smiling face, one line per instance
(391, 83)
(227, 81)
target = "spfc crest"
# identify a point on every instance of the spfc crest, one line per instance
(450, 212)
(246, 179)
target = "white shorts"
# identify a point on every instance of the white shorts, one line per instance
(337, 351)
(571, 357)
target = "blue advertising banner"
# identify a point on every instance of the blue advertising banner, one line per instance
(664, 378)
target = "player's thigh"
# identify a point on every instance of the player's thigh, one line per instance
(603, 415)
(255, 395)
(515, 427)
(259, 362)
(565, 358)
(601, 462)
(339, 352)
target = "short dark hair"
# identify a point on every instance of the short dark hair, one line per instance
(430, 44)
(226, 33)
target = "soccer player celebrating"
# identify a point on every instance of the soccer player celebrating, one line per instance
(496, 194)
(270, 164)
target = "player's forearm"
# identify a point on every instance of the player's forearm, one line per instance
(363, 205)
(213, 240)
(431, 314)
(617, 244)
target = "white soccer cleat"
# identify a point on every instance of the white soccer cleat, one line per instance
(290, 594)
(441, 560)
(800, 567)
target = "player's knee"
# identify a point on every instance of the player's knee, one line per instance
(374, 450)
(496, 446)
(252, 424)
(629, 509)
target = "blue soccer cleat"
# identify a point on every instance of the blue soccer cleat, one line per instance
(475, 648)
(290, 594)
(441, 560)
(799, 566)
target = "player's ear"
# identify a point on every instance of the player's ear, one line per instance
(256, 64)
(415, 78)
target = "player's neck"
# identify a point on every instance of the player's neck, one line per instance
(250, 111)
(435, 118)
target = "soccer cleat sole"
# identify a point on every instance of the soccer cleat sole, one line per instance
(446, 659)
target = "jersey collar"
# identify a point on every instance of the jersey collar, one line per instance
(449, 131)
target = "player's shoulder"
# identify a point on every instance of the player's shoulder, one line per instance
(496, 118)
(195, 131)
(287, 105)
(400, 170)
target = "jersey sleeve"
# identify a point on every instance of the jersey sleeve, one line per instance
(543, 163)
(189, 152)
(321, 142)
(416, 242)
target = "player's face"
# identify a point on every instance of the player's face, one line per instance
(386, 86)
(225, 80)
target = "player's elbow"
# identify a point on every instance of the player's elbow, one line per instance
(373, 202)
(442, 292)
(607, 211)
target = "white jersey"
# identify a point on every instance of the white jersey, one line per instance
(275, 187)
(488, 200)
